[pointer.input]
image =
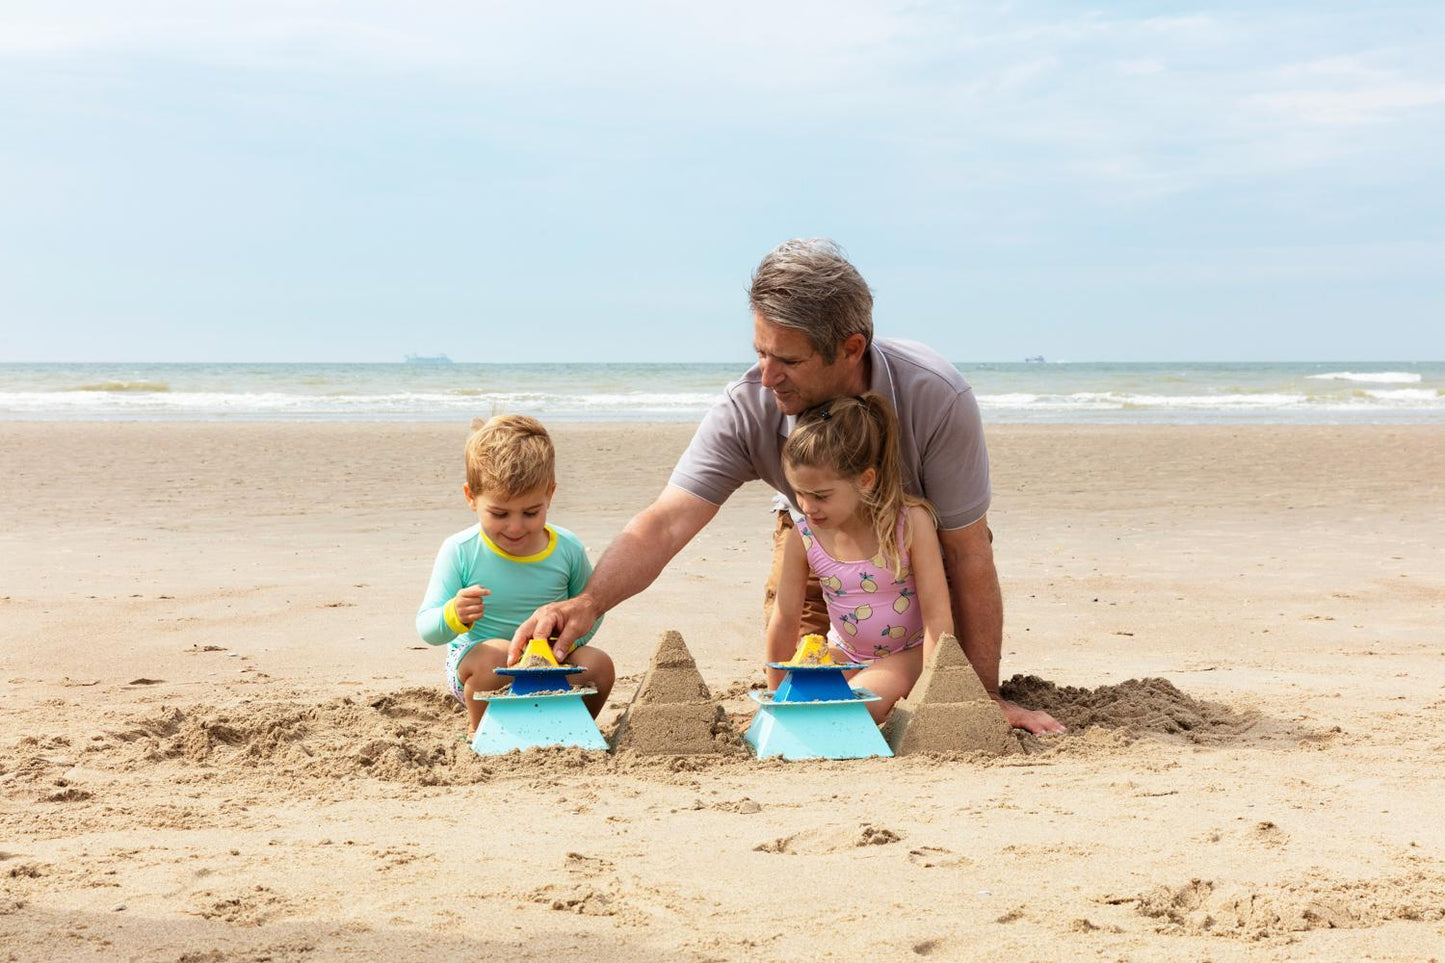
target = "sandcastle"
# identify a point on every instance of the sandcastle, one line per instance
(948, 710)
(673, 713)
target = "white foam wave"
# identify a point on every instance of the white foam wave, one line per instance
(1114, 401)
(1371, 377)
(1403, 394)
(252, 403)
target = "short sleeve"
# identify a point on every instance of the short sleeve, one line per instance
(716, 462)
(955, 465)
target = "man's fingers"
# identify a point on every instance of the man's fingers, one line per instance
(519, 640)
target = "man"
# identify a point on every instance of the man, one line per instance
(813, 335)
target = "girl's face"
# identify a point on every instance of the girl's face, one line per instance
(826, 498)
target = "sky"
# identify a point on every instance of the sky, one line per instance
(318, 180)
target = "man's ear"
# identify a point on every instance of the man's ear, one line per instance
(853, 347)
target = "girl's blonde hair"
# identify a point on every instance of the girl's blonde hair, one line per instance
(849, 436)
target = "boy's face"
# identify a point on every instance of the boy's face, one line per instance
(515, 524)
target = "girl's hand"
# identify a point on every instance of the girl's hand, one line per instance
(469, 603)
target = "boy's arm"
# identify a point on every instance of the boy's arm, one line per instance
(782, 634)
(437, 621)
(926, 559)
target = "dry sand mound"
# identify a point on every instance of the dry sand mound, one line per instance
(948, 710)
(1256, 913)
(673, 713)
(1137, 707)
(410, 736)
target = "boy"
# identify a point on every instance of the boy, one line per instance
(492, 576)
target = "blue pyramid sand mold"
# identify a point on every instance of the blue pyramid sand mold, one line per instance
(815, 714)
(538, 710)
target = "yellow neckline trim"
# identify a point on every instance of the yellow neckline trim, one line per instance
(551, 547)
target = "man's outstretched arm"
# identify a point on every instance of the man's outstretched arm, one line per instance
(631, 563)
(978, 616)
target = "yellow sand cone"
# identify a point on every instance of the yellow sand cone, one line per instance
(537, 655)
(813, 650)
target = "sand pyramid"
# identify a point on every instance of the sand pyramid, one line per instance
(673, 713)
(948, 710)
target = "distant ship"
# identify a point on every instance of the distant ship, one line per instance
(1036, 359)
(428, 359)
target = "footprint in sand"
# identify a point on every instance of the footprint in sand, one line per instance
(933, 857)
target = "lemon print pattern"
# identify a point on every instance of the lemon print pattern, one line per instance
(863, 613)
(850, 624)
(832, 583)
(866, 582)
(895, 631)
(904, 601)
(859, 594)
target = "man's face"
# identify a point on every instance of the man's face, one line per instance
(796, 374)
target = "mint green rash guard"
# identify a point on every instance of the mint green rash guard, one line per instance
(519, 585)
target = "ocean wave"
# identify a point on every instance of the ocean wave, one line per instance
(1373, 377)
(1115, 401)
(140, 386)
(201, 402)
(1404, 394)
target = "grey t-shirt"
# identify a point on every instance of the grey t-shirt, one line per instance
(941, 435)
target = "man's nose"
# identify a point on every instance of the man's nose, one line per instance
(772, 373)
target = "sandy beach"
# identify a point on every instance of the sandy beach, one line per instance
(221, 740)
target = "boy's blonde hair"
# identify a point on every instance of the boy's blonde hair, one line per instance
(509, 455)
(848, 436)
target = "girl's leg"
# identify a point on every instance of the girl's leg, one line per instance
(476, 671)
(891, 677)
(599, 674)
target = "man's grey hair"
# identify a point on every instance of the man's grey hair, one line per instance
(808, 284)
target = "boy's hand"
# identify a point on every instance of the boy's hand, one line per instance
(469, 603)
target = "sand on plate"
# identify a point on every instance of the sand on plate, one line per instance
(673, 713)
(948, 710)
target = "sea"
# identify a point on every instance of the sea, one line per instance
(1336, 392)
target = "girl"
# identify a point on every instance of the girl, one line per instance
(873, 547)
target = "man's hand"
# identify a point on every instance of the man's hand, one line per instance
(469, 604)
(1036, 721)
(566, 621)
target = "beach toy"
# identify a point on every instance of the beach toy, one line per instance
(540, 707)
(815, 714)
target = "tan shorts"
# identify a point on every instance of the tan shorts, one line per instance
(815, 610)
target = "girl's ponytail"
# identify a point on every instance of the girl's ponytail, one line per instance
(849, 436)
(886, 499)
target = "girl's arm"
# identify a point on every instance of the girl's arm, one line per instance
(926, 558)
(782, 635)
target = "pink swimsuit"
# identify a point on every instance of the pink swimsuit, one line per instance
(872, 614)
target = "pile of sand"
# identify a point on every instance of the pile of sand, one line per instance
(1136, 707)
(409, 736)
(1248, 912)
(948, 710)
(673, 713)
